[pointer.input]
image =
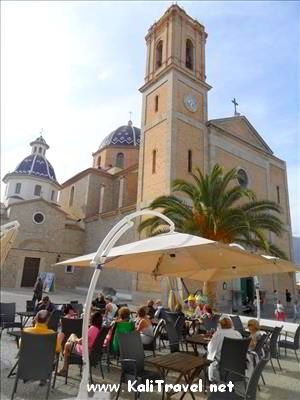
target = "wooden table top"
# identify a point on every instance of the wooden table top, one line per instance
(178, 362)
(198, 339)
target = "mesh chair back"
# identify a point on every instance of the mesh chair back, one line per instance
(254, 379)
(297, 338)
(29, 305)
(274, 341)
(9, 311)
(237, 323)
(233, 359)
(174, 328)
(211, 323)
(96, 352)
(259, 348)
(69, 326)
(41, 365)
(53, 321)
(131, 347)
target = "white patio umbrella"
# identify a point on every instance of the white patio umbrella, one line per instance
(172, 255)
(8, 235)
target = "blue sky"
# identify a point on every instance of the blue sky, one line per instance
(74, 69)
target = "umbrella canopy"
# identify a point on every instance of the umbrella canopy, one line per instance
(8, 235)
(187, 256)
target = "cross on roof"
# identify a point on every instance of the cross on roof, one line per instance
(235, 105)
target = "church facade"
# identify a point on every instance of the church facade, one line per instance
(133, 166)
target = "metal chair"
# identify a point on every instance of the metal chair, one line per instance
(39, 367)
(291, 344)
(8, 315)
(29, 305)
(238, 325)
(211, 323)
(95, 355)
(251, 389)
(174, 328)
(233, 360)
(69, 326)
(133, 361)
(54, 319)
(273, 346)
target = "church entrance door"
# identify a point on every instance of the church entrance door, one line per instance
(30, 271)
(247, 289)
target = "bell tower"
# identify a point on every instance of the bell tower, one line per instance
(174, 113)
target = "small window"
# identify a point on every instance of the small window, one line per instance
(120, 160)
(18, 188)
(52, 195)
(38, 218)
(156, 103)
(242, 178)
(153, 161)
(190, 161)
(71, 199)
(189, 54)
(37, 190)
(159, 53)
(278, 194)
(35, 149)
(69, 269)
(99, 162)
(40, 150)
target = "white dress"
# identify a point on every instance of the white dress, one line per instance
(214, 349)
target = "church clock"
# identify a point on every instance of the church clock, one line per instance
(190, 103)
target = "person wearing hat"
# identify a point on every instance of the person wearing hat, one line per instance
(190, 306)
(110, 311)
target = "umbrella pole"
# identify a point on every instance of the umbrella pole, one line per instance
(256, 282)
(100, 257)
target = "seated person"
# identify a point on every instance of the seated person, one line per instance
(74, 344)
(69, 312)
(123, 324)
(178, 310)
(207, 312)
(144, 326)
(110, 311)
(150, 309)
(158, 308)
(190, 306)
(255, 333)
(41, 327)
(99, 302)
(45, 304)
(214, 347)
(199, 310)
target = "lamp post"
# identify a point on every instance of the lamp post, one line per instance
(97, 263)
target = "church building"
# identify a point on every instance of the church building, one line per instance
(132, 166)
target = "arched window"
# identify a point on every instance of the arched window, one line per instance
(18, 188)
(37, 190)
(71, 199)
(52, 195)
(190, 161)
(120, 160)
(159, 53)
(189, 54)
(156, 103)
(154, 161)
(40, 150)
(242, 178)
(35, 149)
(99, 162)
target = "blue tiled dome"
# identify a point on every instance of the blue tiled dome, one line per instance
(36, 165)
(126, 135)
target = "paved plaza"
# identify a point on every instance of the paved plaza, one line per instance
(284, 385)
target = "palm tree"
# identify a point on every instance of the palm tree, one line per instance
(216, 207)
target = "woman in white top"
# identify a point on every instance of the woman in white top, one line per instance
(144, 326)
(110, 311)
(214, 347)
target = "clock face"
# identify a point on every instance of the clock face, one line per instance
(190, 103)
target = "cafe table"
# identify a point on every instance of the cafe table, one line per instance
(198, 340)
(25, 317)
(187, 366)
